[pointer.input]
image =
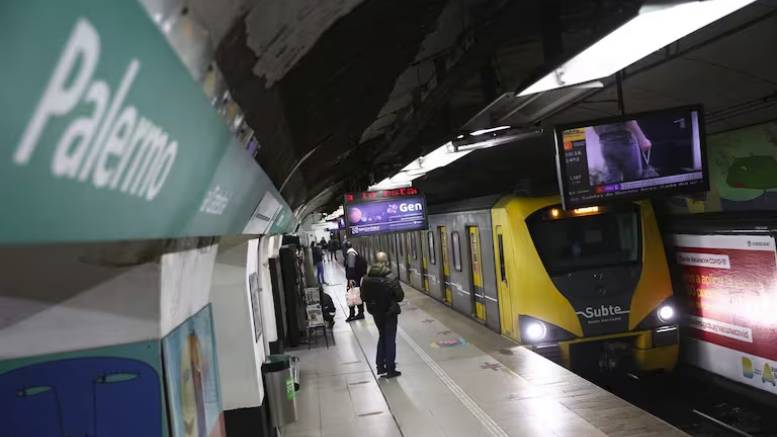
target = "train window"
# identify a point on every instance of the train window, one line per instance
(587, 242)
(501, 244)
(413, 245)
(432, 249)
(456, 250)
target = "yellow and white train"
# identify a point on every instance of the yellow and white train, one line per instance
(589, 288)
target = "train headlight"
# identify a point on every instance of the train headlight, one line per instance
(666, 313)
(535, 331)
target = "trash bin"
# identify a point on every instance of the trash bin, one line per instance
(279, 386)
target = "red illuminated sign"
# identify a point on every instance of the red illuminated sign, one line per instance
(366, 196)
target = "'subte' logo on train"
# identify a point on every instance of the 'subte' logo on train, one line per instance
(601, 311)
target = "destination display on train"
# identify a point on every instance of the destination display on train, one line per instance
(387, 215)
(631, 157)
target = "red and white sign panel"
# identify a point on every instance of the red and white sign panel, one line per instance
(730, 283)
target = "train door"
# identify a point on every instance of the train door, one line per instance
(417, 261)
(408, 273)
(505, 304)
(387, 249)
(395, 254)
(424, 262)
(432, 266)
(446, 266)
(478, 295)
(401, 257)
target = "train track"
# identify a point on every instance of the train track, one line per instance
(694, 403)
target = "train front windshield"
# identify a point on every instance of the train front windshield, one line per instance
(587, 242)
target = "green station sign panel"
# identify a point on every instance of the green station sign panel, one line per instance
(104, 135)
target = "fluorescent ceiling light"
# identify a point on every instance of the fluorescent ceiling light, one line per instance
(439, 157)
(335, 214)
(507, 137)
(487, 131)
(655, 27)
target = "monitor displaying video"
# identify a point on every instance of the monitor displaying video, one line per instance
(631, 157)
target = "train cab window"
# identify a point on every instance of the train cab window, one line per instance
(456, 250)
(432, 249)
(587, 242)
(501, 244)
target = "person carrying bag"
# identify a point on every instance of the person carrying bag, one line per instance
(355, 269)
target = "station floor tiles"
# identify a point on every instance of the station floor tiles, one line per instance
(458, 379)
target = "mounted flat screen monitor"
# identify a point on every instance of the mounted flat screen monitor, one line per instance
(381, 212)
(631, 157)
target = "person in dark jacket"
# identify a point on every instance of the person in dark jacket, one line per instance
(327, 306)
(344, 249)
(355, 269)
(318, 261)
(382, 293)
(333, 250)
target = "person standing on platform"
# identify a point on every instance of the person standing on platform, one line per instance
(318, 261)
(382, 293)
(344, 248)
(355, 269)
(333, 249)
(323, 245)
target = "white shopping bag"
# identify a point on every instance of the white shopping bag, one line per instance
(353, 294)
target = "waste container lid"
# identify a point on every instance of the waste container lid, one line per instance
(276, 363)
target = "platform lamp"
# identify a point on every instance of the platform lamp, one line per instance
(658, 24)
(485, 138)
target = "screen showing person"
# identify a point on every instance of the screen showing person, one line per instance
(630, 156)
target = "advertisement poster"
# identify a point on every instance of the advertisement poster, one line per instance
(730, 286)
(255, 289)
(108, 391)
(392, 215)
(191, 373)
(743, 173)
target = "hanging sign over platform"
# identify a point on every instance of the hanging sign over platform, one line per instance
(104, 135)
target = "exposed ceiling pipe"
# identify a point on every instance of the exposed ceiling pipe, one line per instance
(296, 167)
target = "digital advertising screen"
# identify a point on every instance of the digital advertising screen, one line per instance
(631, 157)
(385, 215)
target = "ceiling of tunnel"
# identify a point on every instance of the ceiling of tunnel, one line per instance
(342, 94)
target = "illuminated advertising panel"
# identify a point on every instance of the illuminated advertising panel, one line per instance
(379, 213)
(730, 285)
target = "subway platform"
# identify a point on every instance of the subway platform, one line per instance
(458, 379)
